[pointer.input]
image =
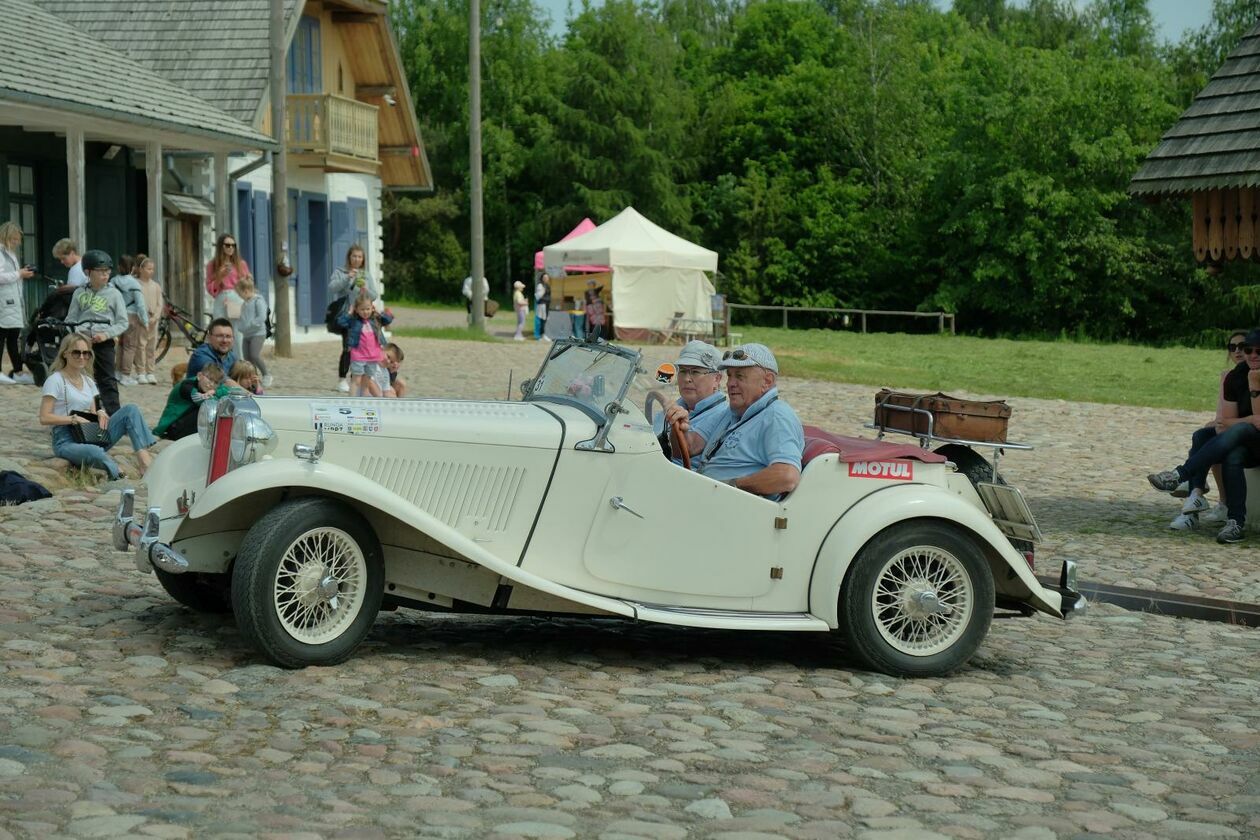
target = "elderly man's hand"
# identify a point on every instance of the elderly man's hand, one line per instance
(677, 414)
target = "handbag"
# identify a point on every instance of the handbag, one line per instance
(90, 432)
(492, 306)
(333, 312)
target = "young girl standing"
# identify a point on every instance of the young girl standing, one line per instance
(521, 305)
(154, 301)
(252, 327)
(366, 341)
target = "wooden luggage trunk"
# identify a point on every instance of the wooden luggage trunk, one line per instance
(951, 417)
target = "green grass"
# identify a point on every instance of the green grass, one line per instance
(1172, 377)
(448, 333)
(446, 306)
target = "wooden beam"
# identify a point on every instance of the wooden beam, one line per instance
(398, 151)
(222, 201)
(75, 188)
(354, 18)
(1216, 226)
(1200, 219)
(374, 91)
(1229, 210)
(153, 188)
(368, 7)
(1246, 222)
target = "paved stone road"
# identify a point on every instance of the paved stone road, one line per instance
(122, 714)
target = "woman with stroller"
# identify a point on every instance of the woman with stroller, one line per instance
(12, 273)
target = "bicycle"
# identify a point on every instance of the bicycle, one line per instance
(183, 321)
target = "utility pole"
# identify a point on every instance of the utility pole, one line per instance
(474, 163)
(279, 185)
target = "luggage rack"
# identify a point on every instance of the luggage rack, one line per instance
(930, 438)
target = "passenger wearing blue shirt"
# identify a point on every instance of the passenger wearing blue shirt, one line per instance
(699, 391)
(758, 446)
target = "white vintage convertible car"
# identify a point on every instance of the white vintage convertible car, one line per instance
(306, 516)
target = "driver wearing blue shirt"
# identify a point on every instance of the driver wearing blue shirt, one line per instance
(758, 446)
(699, 391)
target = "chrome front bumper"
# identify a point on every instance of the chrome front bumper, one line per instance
(150, 553)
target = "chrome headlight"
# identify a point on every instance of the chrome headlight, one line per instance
(205, 421)
(252, 438)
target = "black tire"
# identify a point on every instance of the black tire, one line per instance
(38, 372)
(207, 593)
(274, 555)
(869, 625)
(163, 342)
(977, 469)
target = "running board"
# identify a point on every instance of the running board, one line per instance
(727, 619)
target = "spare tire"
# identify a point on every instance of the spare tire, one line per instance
(977, 470)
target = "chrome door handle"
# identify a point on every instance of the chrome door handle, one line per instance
(618, 504)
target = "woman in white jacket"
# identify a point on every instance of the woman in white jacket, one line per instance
(12, 273)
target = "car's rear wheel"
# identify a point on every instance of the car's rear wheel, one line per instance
(208, 593)
(917, 600)
(308, 582)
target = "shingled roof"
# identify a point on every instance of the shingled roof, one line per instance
(217, 49)
(49, 64)
(1216, 142)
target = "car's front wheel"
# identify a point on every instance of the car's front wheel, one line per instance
(308, 582)
(917, 600)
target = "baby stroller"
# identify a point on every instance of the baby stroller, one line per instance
(44, 332)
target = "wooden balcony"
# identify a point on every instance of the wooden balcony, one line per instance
(333, 133)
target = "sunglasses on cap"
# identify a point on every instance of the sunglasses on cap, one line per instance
(737, 354)
(1234, 347)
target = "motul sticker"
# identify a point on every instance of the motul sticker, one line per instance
(891, 470)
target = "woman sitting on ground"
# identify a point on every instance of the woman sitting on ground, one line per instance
(1197, 510)
(71, 398)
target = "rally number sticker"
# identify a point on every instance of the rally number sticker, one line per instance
(346, 420)
(889, 470)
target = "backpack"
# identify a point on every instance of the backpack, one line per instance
(333, 312)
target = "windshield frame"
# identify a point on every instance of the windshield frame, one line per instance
(565, 345)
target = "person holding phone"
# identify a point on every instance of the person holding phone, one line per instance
(12, 273)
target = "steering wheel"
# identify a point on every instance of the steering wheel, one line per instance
(678, 438)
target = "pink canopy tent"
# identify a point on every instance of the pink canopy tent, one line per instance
(584, 226)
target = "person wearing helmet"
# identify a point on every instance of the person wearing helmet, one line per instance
(100, 313)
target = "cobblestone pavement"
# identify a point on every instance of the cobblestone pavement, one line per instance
(123, 714)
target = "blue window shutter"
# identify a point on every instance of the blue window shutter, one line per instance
(342, 233)
(304, 278)
(262, 244)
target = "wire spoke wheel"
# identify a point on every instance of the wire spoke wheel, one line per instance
(918, 600)
(319, 585)
(307, 582)
(922, 600)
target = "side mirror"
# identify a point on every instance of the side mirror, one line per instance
(527, 388)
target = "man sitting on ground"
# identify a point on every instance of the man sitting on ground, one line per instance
(218, 349)
(758, 446)
(699, 391)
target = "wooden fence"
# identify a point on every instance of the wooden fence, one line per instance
(941, 317)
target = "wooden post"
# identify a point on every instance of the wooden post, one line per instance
(863, 323)
(279, 185)
(75, 188)
(477, 234)
(785, 318)
(153, 189)
(940, 322)
(222, 201)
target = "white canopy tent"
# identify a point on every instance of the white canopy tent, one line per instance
(655, 273)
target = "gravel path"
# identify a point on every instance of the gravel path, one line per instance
(127, 715)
